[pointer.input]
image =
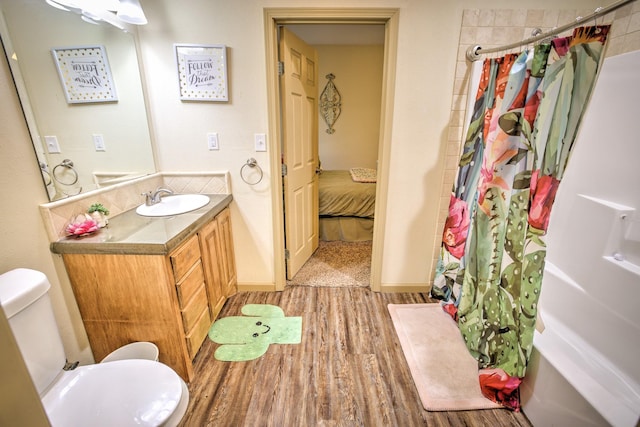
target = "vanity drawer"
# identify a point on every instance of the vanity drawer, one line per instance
(198, 333)
(192, 312)
(184, 257)
(190, 284)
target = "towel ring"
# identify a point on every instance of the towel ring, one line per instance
(45, 174)
(68, 164)
(252, 163)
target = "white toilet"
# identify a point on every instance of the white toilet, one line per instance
(119, 393)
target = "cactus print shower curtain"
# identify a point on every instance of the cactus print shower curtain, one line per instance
(526, 115)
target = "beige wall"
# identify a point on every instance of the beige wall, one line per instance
(358, 71)
(426, 64)
(426, 83)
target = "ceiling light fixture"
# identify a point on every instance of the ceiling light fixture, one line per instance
(56, 5)
(89, 20)
(111, 5)
(131, 12)
(118, 13)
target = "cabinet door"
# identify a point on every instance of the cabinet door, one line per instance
(209, 237)
(228, 254)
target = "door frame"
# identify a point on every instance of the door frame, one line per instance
(273, 17)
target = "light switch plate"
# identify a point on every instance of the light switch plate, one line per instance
(212, 141)
(52, 144)
(98, 141)
(260, 141)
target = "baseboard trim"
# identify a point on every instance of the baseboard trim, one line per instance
(256, 287)
(405, 287)
(385, 287)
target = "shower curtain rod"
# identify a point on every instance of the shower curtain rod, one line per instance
(475, 52)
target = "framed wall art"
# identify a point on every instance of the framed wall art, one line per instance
(202, 72)
(85, 74)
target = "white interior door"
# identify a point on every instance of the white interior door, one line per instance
(299, 86)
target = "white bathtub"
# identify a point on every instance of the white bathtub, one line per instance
(584, 370)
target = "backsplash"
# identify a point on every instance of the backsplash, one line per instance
(127, 195)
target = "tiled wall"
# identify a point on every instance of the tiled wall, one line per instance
(125, 196)
(497, 27)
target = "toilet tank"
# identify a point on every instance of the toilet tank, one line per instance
(25, 300)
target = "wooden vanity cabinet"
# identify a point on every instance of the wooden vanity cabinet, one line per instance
(227, 256)
(220, 269)
(170, 300)
(186, 263)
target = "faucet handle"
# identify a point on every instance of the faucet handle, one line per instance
(148, 197)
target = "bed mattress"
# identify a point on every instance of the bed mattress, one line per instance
(339, 195)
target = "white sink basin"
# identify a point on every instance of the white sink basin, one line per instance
(174, 205)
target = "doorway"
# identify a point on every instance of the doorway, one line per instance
(278, 17)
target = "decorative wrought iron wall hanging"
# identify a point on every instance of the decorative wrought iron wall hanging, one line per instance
(330, 103)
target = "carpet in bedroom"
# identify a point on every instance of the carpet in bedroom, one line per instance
(336, 264)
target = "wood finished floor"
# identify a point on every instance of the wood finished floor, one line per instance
(349, 370)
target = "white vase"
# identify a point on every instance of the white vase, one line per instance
(100, 218)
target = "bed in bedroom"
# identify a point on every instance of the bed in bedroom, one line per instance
(347, 201)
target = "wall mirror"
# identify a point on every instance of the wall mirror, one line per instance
(80, 146)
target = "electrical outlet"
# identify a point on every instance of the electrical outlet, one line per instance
(98, 141)
(52, 144)
(260, 141)
(212, 141)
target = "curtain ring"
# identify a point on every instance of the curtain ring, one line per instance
(252, 163)
(66, 163)
(595, 16)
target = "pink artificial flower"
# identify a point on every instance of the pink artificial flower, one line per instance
(456, 227)
(542, 195)
(85, 227)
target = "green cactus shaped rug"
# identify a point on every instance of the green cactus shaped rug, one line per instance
(248, 337)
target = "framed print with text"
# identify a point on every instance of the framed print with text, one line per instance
(202, 72)
(85, 74)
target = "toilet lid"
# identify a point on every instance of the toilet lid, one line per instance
(120, 393)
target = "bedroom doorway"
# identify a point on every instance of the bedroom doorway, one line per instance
(274, 18)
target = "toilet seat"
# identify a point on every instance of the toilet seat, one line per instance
(120, 393)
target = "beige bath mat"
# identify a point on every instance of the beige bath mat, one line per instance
(444, 372)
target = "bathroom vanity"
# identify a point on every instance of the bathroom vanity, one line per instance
(161, 279)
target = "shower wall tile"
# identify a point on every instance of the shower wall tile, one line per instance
(620, 26)
(455, 134)
(470, 18)
(631, 42)
(468, 35)
(486, 18)
(484, 35)
(550, 18)
(506, 17)
(566, 16)
(535, 18)
(625, 32)
(459, 86)
(634, 23)
(457, 118)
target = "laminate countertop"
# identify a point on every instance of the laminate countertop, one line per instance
(130, 233)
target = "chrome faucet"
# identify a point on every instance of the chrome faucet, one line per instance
(152, 198)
